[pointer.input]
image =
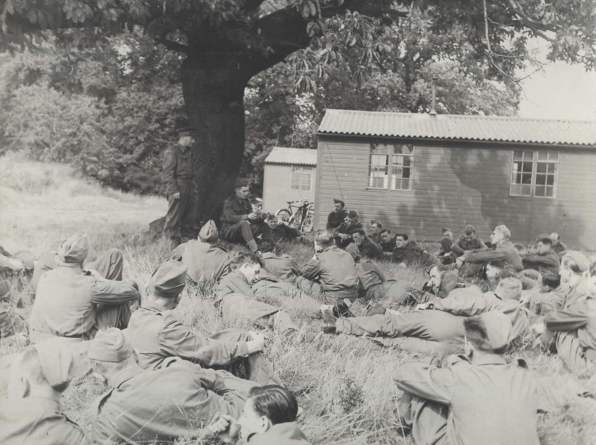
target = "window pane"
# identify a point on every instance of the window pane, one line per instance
(552, 168)
(550, 191)
(539, 191)
(526, 190)
(526, 178)
(405, 184)
(406, 173)
(553, 156)
(540, 179)
(541, 167)
(406, 160)
(518, 155)
(550, 180)
(543, 155)
(527, 167)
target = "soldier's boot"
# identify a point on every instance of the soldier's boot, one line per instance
(329, 320)
(374, 308)
(252, 245)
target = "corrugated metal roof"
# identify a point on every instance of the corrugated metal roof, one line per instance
(294, 156)
(459, 127)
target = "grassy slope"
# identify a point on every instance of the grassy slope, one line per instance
(343, 382)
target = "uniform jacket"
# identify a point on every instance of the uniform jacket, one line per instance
(545, 264)
(335, 270)
(284, 232)
(505, 252)
(235, 210)
(66, 301)
(375, 238)
(288, 433)
(411, 254)
(579, 316)
(560, 249)
(234, 283)
(369, 274)
(489, 402)
(162, 405)
(369, 249)
(37, 421)
(177, 165)
(157, 336)
(204, 260)
(464, 244)
(334, 220)
(470, 301)
(284, 266)
(388, 246)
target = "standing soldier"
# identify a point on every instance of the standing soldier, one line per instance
(181, 189)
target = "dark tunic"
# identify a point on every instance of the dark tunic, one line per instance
(334, 220)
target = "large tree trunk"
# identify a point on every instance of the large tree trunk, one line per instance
(213, 88)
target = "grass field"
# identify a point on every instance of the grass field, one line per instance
(344, 383)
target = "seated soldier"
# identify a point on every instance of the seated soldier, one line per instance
(282, 232)
(343, 233)
(545, 261)
(269, 417)
(472, 262)
(558, 246)
(73, 302)
(446, 255)
(467, 242)
(158, 336)
(204, 258)
(338, 216)
(366, 247)
(387, 241)
(375, 231)
(335, 270)
(240, 222)
(572, 330)
(175, 401)
(540, 300)
(475, 398)
(31, 414)
(409, 253)
(239, 296)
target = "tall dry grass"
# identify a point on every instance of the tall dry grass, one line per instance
(343, 382)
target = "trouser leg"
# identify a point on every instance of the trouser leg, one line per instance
(382, 325)
(236, 307)
(427, 420)
(573, 354)
(470, 269)
(109, 265)
(281, 294)
(310, 287)
(176, 208)
(188, 220)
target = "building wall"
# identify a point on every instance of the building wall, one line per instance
(277, 187)
(457, 185)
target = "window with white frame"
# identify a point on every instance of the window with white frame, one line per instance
(301, 178)
(534, 173)
(391, 166)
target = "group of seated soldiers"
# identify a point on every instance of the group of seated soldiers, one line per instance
(168, 381)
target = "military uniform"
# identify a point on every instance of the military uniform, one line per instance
(412, 254)
(336, 219)
(464, 244)
(370, 249)
(203, 261)
(336, 272)
(69, 303)
(388, 246)
(236, 226)
(560, 249)
(166, 404)
(389, 294)
(488, 402)
(346, 229)
(287, 433)
(179, 177)
(544, 264)
(505, 252)
(238, 301)
(283, 266)
(37, 421)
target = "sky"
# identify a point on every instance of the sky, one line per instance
(558, 91)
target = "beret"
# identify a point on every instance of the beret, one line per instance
(209, 232)
(74, 250)
(168, 280)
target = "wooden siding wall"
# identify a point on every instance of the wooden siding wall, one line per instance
(454, 186)
(277, 187)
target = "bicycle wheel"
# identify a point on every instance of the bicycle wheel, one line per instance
(283, 216)
(297, 223)
(308, 223)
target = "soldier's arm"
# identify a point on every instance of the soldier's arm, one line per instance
(427, 382)
(485, 256)
(551, 261)
(570, 319)
(169, 172)
(176, 339)
(456, 247)
(114, 292)
(311, 270)
(482, 245)
(464, 304)
(230, 214)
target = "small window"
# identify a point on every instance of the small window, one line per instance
(301, 178)
(391, 166)
(402, 167)
(534, 173)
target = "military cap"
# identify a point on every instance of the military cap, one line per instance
(470, 230)
(241, 182)
(209, 232)
(498, 328)
(186, 131)
(74, 250)
(545, 238)
(110, 346)
(336, 201)
(55, 361)
(352, 214)
(168, 280)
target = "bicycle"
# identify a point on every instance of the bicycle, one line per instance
(302, 219)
